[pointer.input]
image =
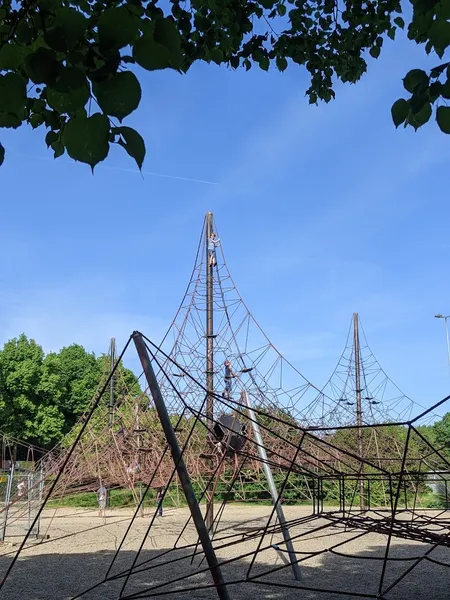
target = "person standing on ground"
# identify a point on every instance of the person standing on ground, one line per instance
(159, 500)
(101, 495)
(21, 488)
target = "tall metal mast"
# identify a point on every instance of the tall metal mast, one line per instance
(209, 359)
(357, 353)
(112, 354)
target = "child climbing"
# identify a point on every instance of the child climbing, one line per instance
(228, 376)
(212, 245)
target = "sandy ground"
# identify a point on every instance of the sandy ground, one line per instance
(81, 552)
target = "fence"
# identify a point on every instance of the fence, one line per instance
(21, 493)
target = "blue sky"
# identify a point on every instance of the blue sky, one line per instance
(322, 212)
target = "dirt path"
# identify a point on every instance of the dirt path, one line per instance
(81, 549)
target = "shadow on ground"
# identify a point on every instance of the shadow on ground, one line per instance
(65, 575)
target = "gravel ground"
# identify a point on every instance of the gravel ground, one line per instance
(81, 547)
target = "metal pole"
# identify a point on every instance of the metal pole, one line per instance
(448, 343)
(39, 501)
(209, 362)
(272, 487)
(356, 350)
(137, 462)
(185, 480)
(7, 499)
(112, 353)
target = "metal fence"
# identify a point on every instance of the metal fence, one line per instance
(21, 493)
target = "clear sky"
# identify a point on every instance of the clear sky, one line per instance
(322, 212)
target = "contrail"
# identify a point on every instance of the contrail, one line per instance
(151, 173)
(143, 173)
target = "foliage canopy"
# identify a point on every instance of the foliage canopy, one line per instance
(42, 397)
(69, 65)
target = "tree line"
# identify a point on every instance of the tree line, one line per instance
(43, 395)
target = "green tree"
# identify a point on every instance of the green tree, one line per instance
(79, 375)
(125, 381)
(82, 376)
(42, 397)
(442, 432)
(29, 393)
(65, 64)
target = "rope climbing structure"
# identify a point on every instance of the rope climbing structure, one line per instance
(220, 416)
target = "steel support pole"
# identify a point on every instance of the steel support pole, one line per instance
(112, 351)
(209, 362)
(185, 480)
(448, 342)
(7, 500)
(359, 433)
(272, 487)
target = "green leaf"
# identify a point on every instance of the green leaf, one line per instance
(56, 40)
(416, 80)
(36, 120)
(133, 143)
(264, 63)
(281, 8)
(399, 22)
(41, 66)
(281, 63)
(443, 118)
(439, 34)
(442, 9)
(2, 155)
(423, 116)
(167, 35)
(117, 27)
(48, 5)
(51, 138)
(375, 51)
(445, 90)
(86, 138)
(435, 90)
(68, 102)
(13, 94)
(58, 148)
(24, 33)
(399, 111)
(9, 121)
(73, 23)
(391, 33)
(216, 55)
(418, 100)
(150, 55)
(437, 71)
(120, 95)
(11, 56)
(69, 78)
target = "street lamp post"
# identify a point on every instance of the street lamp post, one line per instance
(446, 317)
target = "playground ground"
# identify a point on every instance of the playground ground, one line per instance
(81, 546)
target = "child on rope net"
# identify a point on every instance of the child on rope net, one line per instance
(212, 245)
(228, 377)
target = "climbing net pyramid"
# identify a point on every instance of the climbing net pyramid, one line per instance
(206, 436)
(359, 379)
